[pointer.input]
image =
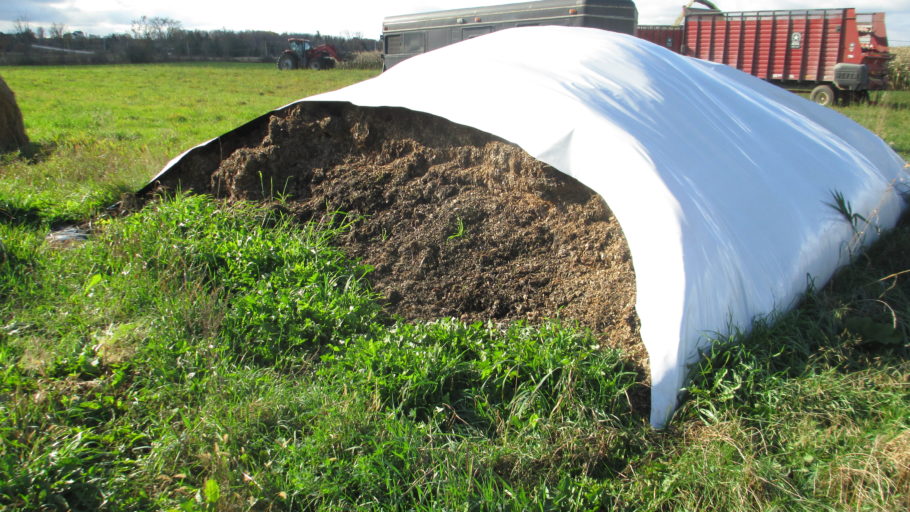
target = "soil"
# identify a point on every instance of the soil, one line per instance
(12, 130)
(456, 222)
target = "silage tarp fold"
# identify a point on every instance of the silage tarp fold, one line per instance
(722, 183)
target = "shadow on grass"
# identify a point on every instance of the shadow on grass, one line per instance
(20, 215)
(38, 152)
(36, 217)
(34, 152)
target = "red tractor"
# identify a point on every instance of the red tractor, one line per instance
(302, 54)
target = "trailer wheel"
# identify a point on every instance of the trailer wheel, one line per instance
(288, 61)
(823, 95)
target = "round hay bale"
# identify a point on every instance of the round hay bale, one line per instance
(12, 130)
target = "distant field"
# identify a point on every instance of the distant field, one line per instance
(199, 356)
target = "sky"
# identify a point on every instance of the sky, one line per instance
(350, 17)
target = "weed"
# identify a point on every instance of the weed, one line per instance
(842, 206)
(459, 229)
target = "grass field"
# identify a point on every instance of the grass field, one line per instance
(198, 356)
(101, 131)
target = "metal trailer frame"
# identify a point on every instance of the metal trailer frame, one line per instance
(412, 34)
(835, 53)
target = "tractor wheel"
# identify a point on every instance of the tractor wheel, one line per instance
(316, 63)
(288, 61)
(823, 95)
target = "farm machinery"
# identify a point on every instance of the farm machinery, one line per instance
(836, 55)
(411, 34)
(302, 54)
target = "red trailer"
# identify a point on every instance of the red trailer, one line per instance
(668, 36)
(834, 53)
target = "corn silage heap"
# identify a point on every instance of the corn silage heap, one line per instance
(722, 183)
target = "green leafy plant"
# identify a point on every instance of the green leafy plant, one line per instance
(459, 230)
(842, 206)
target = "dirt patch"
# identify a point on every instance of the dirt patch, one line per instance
(12, 130)
(455, 221)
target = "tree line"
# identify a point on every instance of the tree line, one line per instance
(157, 39)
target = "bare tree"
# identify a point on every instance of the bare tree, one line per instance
(57, 30)
(21, 26)
(23, 29)
(155, 28)
(140, 28)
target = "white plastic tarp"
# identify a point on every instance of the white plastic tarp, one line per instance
(721, 182)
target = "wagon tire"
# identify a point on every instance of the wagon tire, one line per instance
(823, 95)
(288, 61)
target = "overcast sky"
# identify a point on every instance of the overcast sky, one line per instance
(344, 17)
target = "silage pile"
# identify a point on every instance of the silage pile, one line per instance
(12, 129)
(723, 185)
(456, 222)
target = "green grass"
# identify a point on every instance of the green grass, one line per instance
(888, 116)
(100, 131)
(200, 356)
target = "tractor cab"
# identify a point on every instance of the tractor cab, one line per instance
(299, 46)
(302, 54)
